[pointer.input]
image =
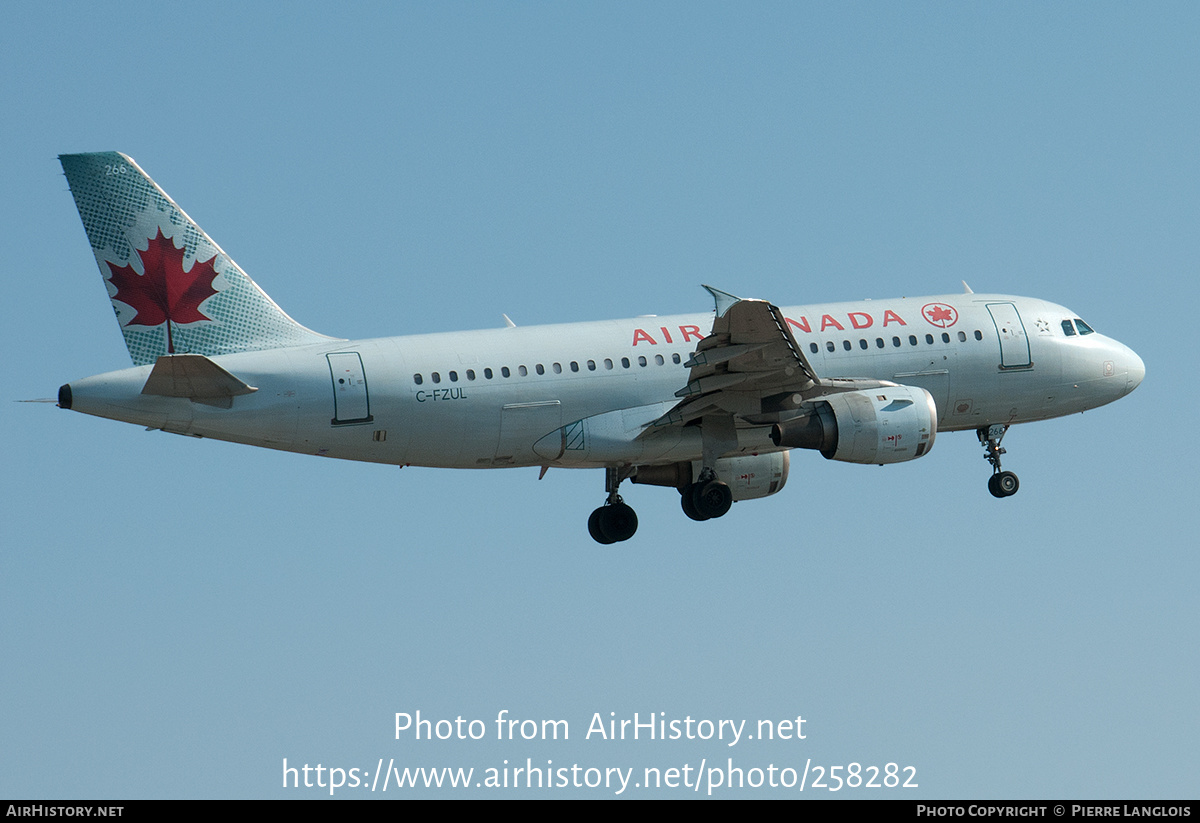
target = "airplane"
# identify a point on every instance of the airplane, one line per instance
(707, 403)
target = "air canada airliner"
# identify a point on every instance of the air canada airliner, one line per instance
(708, 403)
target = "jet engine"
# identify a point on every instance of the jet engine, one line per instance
(890, 424)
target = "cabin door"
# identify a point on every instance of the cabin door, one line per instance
(350, 401)
(1014, 343)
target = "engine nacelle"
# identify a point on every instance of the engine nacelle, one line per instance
(889, 424)
(749, 476)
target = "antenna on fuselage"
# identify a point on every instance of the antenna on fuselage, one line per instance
(966, 288)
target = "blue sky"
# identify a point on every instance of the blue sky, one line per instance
(177, 617)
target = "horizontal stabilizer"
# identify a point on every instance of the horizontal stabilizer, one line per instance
(195, 377)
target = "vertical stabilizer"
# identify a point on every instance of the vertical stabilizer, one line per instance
(174, 290)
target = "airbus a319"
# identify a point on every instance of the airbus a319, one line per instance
(709, 404)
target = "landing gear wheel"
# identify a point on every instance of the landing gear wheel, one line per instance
(619, 521)
(612, 523)
(711, 499)
(1001, 483)
(594, 528)
(689, 505)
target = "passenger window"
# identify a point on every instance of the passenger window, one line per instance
(487, 373)
(879, 342)
(418, 379)
(540, 368)
(676, 359)
(574, 366)
(658, 359)
(813, 347)
(896, 342)
(437, 378)
(591, 365)
(962, 337)
(862, 343)
(929, 339)
(557, 368)
(624, 362)
(829, 345)
(453, 377)
(521, 370)
(470, 374)
(607, 363)
(978, 334)
(641, 360)
(912, 340)
(945, 337)
(504, 372)
(846, 345)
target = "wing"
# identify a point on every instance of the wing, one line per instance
(750, 366)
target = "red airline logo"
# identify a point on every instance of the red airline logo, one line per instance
(165, 292)
(941, 315)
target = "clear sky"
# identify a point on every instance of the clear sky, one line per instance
(177, 616)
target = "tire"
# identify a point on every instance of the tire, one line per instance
(594, 528)
(712, 499)
(618, 522)
(689, 505)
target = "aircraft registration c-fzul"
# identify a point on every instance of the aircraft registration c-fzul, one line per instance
(709, 404)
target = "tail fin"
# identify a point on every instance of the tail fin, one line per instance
(174, 290)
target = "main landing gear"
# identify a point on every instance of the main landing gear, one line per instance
(1001, 483)
(707, 498)
(615, 521)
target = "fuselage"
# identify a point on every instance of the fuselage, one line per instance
(487, 398)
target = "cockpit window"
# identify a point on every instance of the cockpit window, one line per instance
(1084, 328)
(1068, 328)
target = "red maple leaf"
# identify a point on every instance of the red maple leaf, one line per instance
(165, 293)
(939, 314)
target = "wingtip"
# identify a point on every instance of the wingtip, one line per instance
(722, 299)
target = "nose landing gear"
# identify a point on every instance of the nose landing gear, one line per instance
(1001, 483)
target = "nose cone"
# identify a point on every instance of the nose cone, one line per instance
(1135, 370)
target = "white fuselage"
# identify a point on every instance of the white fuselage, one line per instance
(480, 399)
